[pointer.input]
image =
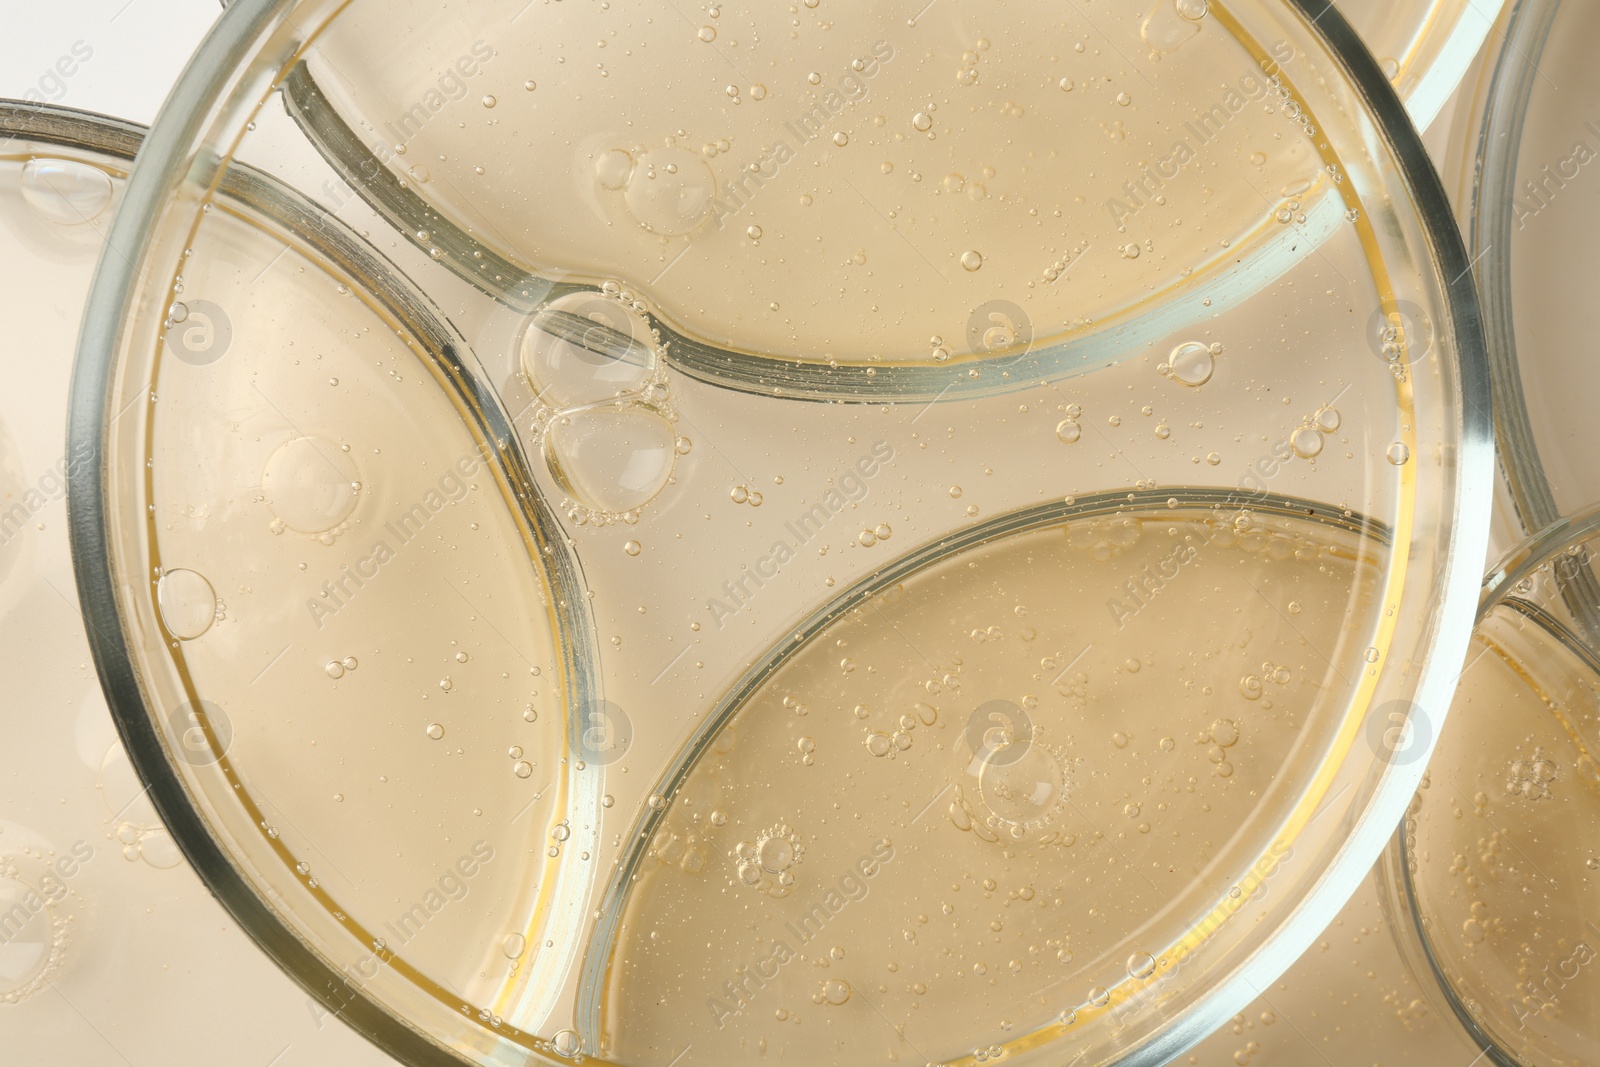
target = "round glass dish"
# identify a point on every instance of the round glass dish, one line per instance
(1521, 154)
(606, 199)
(106, 901)
(519, 682)
(1497, 863)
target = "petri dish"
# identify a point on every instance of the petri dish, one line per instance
(617, 197)
(1496, 864)
(1518, 153)
(484, 629)
(95, 889)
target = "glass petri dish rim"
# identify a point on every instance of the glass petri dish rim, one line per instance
(1399, 888)
(89, 134)
(82, 131)
(216, 80)
(485, 268)
(1491, 153)
(1158, 504)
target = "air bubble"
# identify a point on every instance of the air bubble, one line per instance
(187, 603)
(613, 168)
(64, 192)
(310, 485)
(1191, 363)
(670, 191)
(1306, 442)
(611, 459)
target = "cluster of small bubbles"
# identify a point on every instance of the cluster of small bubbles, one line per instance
(1290, 212)
(1105, 538)
(807, 747)
(768, 862)
(882, 744)
(340, 667)
(1290, 107)
(880, 532)
(1220, 736)
(743, 494)
(834, 991)
(1531, 778)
